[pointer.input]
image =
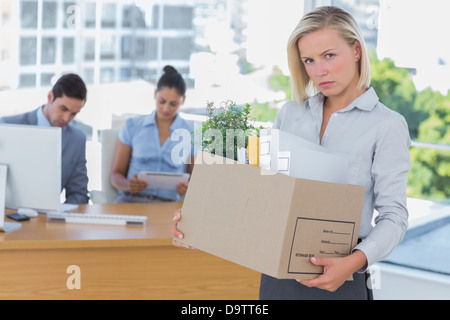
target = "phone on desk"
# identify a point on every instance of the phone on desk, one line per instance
(18, 217)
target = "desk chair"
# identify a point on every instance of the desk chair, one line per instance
(108, 140)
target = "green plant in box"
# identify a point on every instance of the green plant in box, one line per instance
(227, 129)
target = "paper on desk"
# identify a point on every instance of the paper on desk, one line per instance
(163, 180)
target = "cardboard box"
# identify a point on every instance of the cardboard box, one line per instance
(268, 222)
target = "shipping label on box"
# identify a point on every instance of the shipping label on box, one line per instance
(271, 223)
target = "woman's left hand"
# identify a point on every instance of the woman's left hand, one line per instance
(336, 270)
(174, 232)
(182, 188)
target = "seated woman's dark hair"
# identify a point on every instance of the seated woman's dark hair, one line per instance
(172, 79)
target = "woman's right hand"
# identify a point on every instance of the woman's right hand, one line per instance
(176, 233)
(136, 185)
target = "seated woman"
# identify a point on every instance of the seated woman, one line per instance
(145, 144)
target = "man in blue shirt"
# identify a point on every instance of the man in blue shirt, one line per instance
(64, 102)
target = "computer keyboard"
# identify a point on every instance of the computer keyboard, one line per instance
(103, 218)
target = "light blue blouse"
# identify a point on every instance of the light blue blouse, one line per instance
(142, 135)
(376, 141)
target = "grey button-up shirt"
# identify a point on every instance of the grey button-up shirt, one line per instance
(376, 142)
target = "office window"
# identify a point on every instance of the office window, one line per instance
(49, 15)
(69, 13)
(127, 14)
(28, 14)
(68, 51)
(89, 14)
(4, 55)
(141, 49)
(28, 51)
(128, 73)
(145, 74)
(178, 17)
(46, 79)
(108, 15)
(107, 48)
(146, 49)
(27, 80)
(177, 48)
(48, 50)
(125, 74)
(126, 47)
(88, 75)
(107, 74)
(175, 17)
(133, 17)
(89, 48)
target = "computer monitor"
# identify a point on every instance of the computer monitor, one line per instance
(32, 156)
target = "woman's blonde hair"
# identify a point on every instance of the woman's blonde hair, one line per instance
(318, 19)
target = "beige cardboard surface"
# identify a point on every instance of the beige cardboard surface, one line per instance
(268, 222)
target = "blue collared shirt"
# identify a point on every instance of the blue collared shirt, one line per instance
(42, 121)
(142, 135)
(376, 142)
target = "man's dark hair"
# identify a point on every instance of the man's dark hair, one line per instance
(70, 85)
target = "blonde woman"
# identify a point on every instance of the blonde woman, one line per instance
(336, 107)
